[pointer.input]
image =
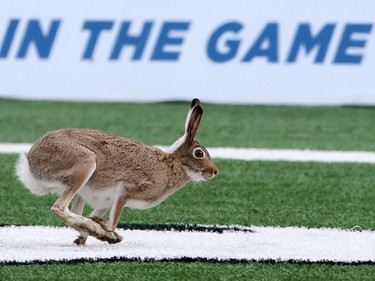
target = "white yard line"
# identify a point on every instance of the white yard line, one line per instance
(25, 244)
(253, 154)
(14, 147)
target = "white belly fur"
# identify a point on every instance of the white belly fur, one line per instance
(104, 198)
(143, 204)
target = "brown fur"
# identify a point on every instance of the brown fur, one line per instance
(88, 162)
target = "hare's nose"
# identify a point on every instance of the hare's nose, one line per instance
(215, 171)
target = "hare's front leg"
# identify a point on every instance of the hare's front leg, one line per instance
(115, 215)
(97, 216)
(106, 226)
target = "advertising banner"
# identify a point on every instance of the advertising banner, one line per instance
(261, 52)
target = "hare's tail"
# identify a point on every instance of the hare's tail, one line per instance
(31, 182)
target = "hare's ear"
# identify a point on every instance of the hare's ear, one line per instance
(193, 120)
(194, 103)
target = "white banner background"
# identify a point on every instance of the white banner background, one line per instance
(65, 75)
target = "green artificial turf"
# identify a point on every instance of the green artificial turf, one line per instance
(324, 128)
(247, 193)
(187, 271)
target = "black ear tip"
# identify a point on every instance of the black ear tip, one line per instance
(195, 102)
(198, 109)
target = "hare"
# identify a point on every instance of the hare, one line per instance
(110, 172)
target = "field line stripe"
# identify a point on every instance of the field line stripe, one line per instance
(44, 244)
(256, 154)
(14, 147)
(253, 154)
(182, 260)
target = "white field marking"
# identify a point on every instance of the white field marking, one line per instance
(253, 154)
(14, 147)
(25, 244)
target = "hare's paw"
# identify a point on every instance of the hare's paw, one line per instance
(118, 238)
(81, 240)
(96, 227)
(86, 226)
(101, 222)
(111, 237)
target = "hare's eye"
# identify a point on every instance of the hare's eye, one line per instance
(198, 153)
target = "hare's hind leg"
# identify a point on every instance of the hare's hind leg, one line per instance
(77, 208)
(78, 204)
(78, 178)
